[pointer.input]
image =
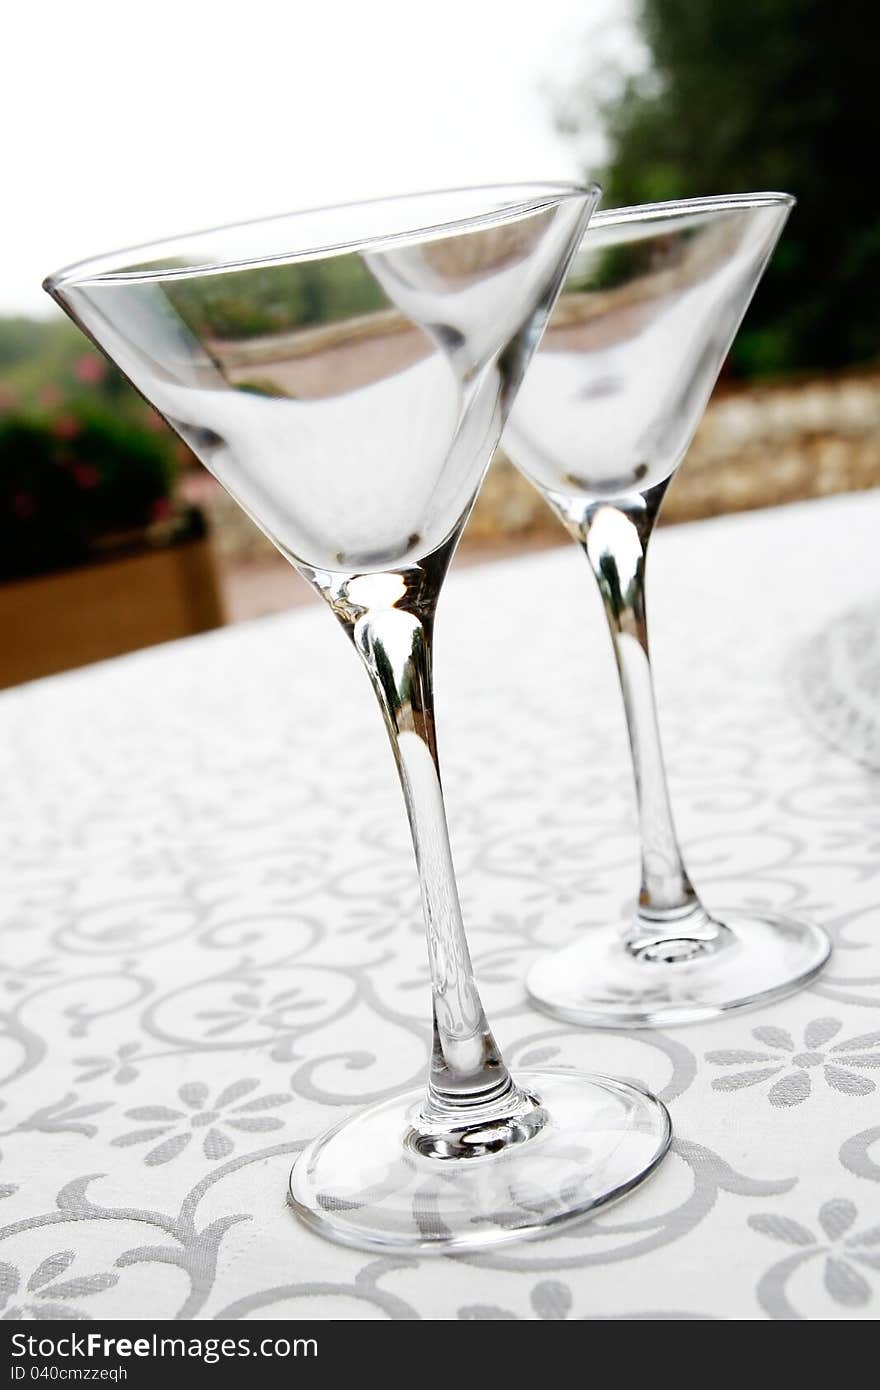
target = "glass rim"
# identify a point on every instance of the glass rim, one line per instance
(672, 207)
(526, 198)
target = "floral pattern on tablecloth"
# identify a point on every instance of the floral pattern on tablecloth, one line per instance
(212, 946)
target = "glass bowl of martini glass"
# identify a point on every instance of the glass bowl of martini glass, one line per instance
(356, 434)
(651, 304)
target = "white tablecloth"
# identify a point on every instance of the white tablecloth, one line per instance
(212, 946)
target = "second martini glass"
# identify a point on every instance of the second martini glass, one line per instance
(346, 374)
(651, 304)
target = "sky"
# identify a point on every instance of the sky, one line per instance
(127, 122)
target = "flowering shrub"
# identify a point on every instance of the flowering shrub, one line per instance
(84, 463)
(69, 482)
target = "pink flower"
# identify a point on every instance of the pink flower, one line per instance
(85, 475)
(8, 398)
(196, 487)
(50, 396)
(65, 427)
(23, 505)
(89, 369)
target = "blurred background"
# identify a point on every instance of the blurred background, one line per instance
(125, 124)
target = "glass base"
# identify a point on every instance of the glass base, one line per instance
(576, 1143)
(600, 983)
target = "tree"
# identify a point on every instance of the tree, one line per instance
(744, 95)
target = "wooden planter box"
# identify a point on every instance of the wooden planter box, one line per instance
(52, 622)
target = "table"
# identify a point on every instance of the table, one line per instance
(212, 946)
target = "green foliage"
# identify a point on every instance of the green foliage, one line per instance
(62, 492)
(22, 340)
(616, 266)
(82, 458)
(48, 364)
(767, 94)
(275, 299)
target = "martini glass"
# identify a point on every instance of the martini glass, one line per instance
(346, 374)
(651, 304)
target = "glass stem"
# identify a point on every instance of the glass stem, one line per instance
(467, 1075)
(615, 539)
